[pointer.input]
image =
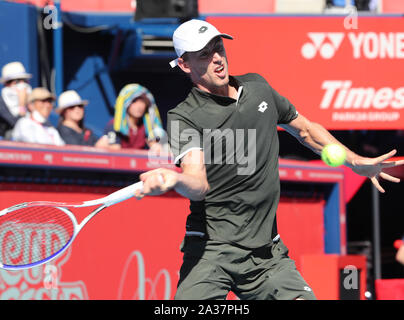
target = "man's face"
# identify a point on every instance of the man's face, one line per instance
(208, 67)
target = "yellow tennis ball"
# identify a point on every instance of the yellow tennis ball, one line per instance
(334, 155)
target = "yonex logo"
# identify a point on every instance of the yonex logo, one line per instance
(368, 45)
(202, 29)
(262, 107)
(324, 43)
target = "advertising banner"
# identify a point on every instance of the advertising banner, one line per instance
(345, 72)
(131, 250)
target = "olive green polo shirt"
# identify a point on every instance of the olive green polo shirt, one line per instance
(240, 142)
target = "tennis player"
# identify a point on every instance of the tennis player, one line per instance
(231, 240)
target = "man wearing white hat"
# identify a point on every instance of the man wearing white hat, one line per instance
(13, 99)
(36, 128)
(71, 126)
(231, 240)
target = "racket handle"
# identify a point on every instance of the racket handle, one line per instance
(116, 197)
(123, 194)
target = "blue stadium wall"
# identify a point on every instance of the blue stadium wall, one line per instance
(97, 62)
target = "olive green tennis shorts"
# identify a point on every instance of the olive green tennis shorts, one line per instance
(211, 269)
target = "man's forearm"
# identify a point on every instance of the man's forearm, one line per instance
(316, 137)
(191, 187)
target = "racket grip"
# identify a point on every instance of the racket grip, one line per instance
(122, 194)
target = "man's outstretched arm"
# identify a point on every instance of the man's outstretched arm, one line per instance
(316, 137)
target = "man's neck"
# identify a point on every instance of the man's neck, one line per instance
(230, 90)
(233, 91)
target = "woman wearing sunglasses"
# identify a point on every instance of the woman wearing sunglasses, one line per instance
(71, 125)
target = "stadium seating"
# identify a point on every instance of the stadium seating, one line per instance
(343, 3)
(88, 5)
(300, 6)
(236, 6)
(205, 6)
(223, 6)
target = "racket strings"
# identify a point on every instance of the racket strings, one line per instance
(33, 234)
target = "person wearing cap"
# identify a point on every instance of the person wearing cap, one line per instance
(13, 99)
(36, 128)
(71, 125)
(231, 240)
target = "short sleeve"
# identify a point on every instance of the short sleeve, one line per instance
(183, 136)
(286, 110)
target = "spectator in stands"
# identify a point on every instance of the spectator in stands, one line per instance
(71, 126)
(136, 122)
(13, 99)
(36, 128)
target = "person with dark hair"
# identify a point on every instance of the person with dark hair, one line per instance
(136, 123)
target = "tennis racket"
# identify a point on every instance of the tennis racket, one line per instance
(33, 233)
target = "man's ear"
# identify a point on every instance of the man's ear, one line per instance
(184, 65)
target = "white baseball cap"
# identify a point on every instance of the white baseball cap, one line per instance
(68, 99)
(192, 36)
(12, 71)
